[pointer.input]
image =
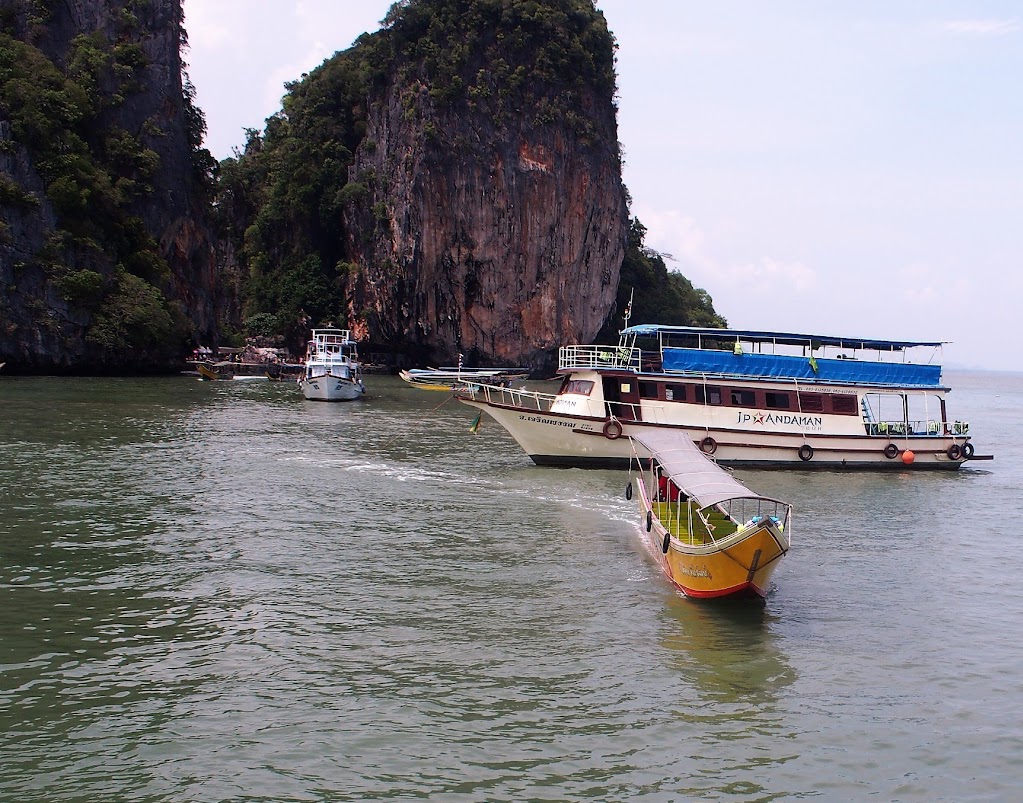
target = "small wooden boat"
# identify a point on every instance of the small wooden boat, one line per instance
(716, 538)
(236, 372)
(209, 371)
(451, 378)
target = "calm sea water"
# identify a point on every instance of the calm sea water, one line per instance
(223, 592)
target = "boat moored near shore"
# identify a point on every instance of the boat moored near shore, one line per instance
(447, 379)
(332, 370)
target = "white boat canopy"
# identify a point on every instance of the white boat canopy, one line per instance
(699, 477)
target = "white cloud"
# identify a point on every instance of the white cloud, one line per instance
(768, 274)
(213, 26)
(273, 87)
(980, 27)
(681, 240)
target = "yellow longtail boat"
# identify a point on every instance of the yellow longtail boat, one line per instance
(209, 371)
(716, 537)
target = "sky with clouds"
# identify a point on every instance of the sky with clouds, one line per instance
(846, 168)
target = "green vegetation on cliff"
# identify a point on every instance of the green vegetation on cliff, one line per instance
(64, 115)
(280, 201)
(521, 60)
(658, 295)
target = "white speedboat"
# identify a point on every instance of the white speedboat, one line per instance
(332, 370)
(751, 398)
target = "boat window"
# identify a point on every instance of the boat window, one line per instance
(580, 386)
(708, 394)
(843, 404)
(811, 402)
(743, 398)
(648, 390)
(675, 392)
(777, 401)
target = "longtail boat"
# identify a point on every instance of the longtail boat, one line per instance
(715, 537)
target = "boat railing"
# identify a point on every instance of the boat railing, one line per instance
(495, 394)
(929, 427)
(334, 337)
(626, 411)
(579, 357)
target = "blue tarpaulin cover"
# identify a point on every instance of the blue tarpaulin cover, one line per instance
(790, 338)
(852, 372)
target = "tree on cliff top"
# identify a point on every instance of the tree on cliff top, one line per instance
(526, 59)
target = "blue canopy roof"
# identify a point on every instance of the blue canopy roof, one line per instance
(786, 338)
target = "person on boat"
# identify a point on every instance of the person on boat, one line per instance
(667, 491)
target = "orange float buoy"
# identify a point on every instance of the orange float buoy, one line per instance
(908, 457)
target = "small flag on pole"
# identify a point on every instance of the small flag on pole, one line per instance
(475, 424)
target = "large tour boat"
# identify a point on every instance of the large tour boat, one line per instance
(749, 398)
(332, 370)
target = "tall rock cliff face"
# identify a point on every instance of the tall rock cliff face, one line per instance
(495, 219)
(106, 261)
(493, 227)
(451, 184)
(505, 243)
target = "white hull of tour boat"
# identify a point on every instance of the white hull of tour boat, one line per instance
(332, 388)
(560, 439)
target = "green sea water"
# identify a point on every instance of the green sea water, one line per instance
(224, 592)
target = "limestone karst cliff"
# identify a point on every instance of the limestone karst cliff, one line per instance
(502, 209)
(450, 184)
(106, 259)
(459, 182)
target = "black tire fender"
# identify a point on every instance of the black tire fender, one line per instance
(612, 430)
(666, 543)
(954, 451)
(708, 445)
(805, 452)
(967, 450)
(649, 520)
(628, 491)
(891, 451)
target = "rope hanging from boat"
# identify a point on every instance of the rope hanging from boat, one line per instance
(799, 407)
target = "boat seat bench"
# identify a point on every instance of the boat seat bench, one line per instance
(678, 524)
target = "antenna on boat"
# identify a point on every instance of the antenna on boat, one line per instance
(628, 314)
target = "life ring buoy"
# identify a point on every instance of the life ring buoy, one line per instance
(967, 450)
(954, 452)
(708, 445)
(612, 430)
(805, 452)
(891, 451)
(666, 543)
(649, 520)
(628, 491)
